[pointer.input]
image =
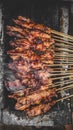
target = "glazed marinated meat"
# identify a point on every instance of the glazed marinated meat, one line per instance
(40, 109)
(31, 52)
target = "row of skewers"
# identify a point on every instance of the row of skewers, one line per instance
(34, 68)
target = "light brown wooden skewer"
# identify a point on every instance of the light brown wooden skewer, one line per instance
(57, 90)
(61, 74)
(61, 65)
(65, 88)
(55, 65)
(64, 82)
(63, 39)
(59, 61)
(61, 88)
(62, 77)
(58, 64)
(62, 34)
(61, 71)
(63, 58)
(61, 45)
(64, 98)
(63, 61)
(64, 50)
(63, 55)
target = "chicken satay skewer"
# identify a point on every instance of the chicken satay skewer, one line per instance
(25, 32)
(43, 108)
(47, 29)
(22, 93)
(34, 99)
(31, 25)
(20, 105)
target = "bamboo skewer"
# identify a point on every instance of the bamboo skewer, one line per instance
(62, 34)
(62, 38)
(63, 45)
(57, 36)
(62, 77)
(64, 50)
(63, 55)
(60, 74)
(65, 88)
(64, 82)
(64, 98)
(56, 65)
(63, 61)
(62, 88)
(59, 41)
(61, 71)
(68, 47)
(64, 58)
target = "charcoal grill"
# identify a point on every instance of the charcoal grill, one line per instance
(53, 14)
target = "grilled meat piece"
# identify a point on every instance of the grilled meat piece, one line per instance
(17, 30)
(15, 34)
(35, 98)
(28, 82)
(31, 56)
(28, 91)
(31, 84)
(22, 66)
(27, 23)
(14, 85)
(36, 40)
(25, 19)
(27, 33)
(40, 109)
(21, 107)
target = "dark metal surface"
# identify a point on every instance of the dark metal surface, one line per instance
(49, 14)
